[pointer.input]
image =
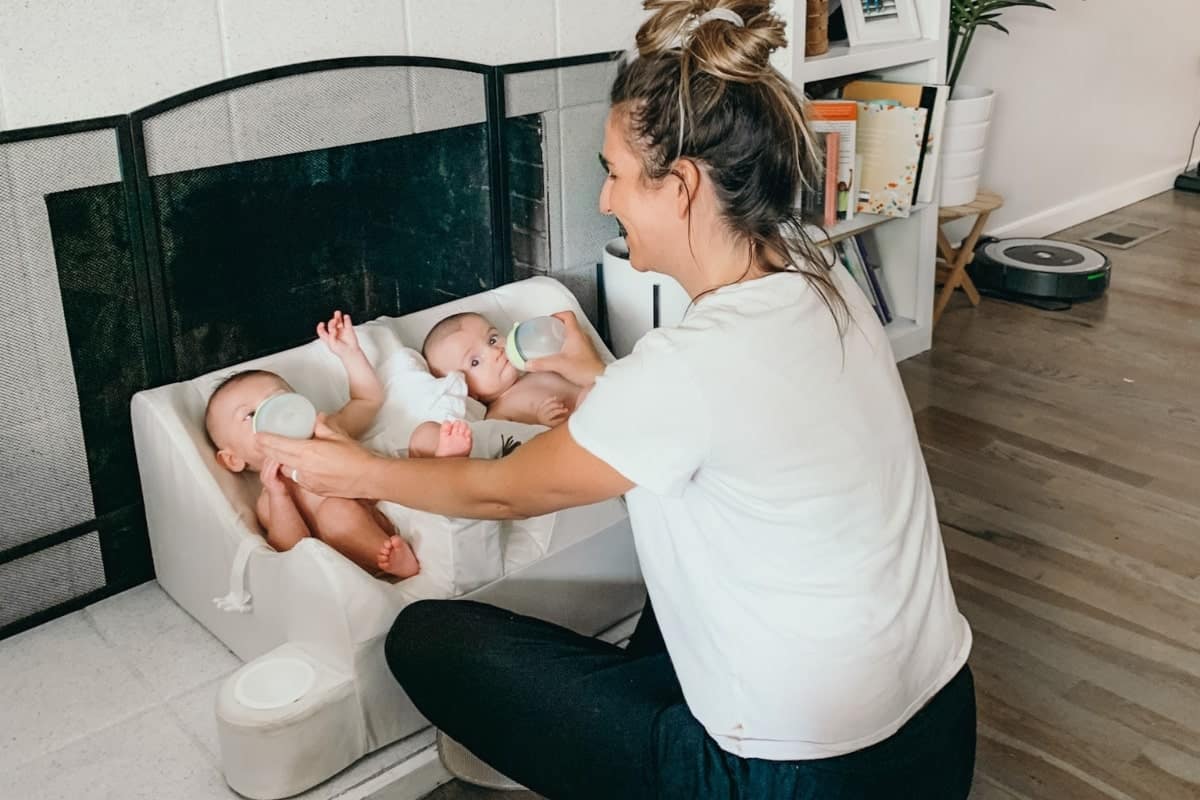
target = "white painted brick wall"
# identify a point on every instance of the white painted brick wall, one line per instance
(65, 60)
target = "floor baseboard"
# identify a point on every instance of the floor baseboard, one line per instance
(411, 779)
(1089, 206)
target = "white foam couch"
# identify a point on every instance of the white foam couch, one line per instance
(315, 694)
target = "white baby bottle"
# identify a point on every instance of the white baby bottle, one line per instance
(288, 414)
(534, 338)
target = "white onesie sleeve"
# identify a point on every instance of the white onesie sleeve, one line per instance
(647, 418)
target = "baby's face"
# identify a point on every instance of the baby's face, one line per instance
(231, 420)
(477, 350)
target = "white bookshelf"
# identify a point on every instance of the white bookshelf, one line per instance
(907, 246)
(845, 60)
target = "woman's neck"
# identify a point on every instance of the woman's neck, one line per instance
(720, 261)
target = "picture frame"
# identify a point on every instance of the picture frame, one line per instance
(880, 21)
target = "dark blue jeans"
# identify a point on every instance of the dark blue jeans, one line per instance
(572, 717)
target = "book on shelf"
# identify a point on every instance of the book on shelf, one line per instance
(848, 254)
(890, 138)
(871, 255)
(932, 97)
(820, 201)
(832, 144)
(852, 253)
(933, 147)
(840, 117)
(874, 272)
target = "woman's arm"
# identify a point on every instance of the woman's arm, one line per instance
(548, 473)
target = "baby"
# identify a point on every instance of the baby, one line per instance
(289, 512)
(472, 345)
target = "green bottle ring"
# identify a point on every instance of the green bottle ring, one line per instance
(515, 356)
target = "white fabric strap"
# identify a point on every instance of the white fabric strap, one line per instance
(691, 23)
(238, 598)
(727, 14)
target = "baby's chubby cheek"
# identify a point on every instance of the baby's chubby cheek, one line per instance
(509, 376)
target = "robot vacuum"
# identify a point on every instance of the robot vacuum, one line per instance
(1043, 272)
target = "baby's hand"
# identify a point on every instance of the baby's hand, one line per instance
(338, 335)
(552, 412)
(272, 480)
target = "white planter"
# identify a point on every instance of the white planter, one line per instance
(962, 138)
(962, 165)
(635, 300)
(968, 115)
(969, 104)
(959, 191)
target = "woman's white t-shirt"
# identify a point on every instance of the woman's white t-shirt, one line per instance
(783, 519)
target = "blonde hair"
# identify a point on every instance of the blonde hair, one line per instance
(702, 87)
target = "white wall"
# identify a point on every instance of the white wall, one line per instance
(71, 59)
(66, 60)
(1096, 103)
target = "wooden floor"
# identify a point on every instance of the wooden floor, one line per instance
(1064, 449)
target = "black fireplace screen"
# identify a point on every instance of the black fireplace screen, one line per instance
(211, 228)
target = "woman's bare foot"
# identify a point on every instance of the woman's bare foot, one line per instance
(454, 439)
(397, 558)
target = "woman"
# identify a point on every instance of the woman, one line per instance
(810, 644)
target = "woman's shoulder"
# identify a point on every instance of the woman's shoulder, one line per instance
(778, 297)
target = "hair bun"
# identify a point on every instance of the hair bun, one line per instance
(715, 43)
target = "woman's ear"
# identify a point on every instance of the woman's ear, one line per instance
(688, 185)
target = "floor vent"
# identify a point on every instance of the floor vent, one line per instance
(1122, 234)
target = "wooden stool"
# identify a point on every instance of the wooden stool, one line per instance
(952, 267)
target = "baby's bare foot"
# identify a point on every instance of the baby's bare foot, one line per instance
(397, 558)
(454, 439)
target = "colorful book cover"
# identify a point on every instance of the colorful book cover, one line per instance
(889, 138)
(841, 117)
(931, 97)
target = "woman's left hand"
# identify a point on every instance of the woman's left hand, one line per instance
(578, 360)
(330, 464)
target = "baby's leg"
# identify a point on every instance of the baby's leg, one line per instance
(349, 527)
(447, 440)
(454, 439)
(424, 440)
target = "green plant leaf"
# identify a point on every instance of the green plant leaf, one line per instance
(999, 5)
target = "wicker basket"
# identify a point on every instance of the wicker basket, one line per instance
(816, 29)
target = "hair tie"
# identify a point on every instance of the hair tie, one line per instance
(727, 14)
(691, 23)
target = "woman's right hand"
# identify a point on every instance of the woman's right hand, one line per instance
(330, 464)
(578, 360)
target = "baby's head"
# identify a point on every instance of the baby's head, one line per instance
(229, 418)
(472, 345)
